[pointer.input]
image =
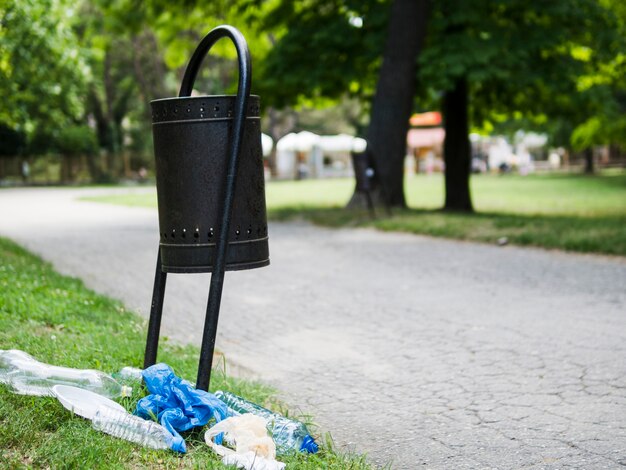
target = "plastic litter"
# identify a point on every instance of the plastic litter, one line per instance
(134, 429)
(111, 417)
(254, 449)
(176, 403)
(129, 373)
(287, 433)
(83, 402)
(246, 433)
(27, 376)
(250, 461)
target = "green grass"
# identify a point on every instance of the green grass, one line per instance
(564, 211)
(59, 321)
(569, 212)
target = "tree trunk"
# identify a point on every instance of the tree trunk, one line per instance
(393, 101)
(65, 175)
(271, 160)
(149, 69)
(95, 173)
(456, 148)
(589, 164)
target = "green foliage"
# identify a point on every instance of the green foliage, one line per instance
(320, 51)
(549, 64)
(12, 142)
(42, 73)
(137, 51)
(557, 67)
(518, 57)
(178, 31)
(606, 83)
(77, 140)
(600, 130)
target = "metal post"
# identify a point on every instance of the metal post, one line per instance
(241, 106)
(156, 309)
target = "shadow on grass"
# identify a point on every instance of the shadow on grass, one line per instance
(587, 234)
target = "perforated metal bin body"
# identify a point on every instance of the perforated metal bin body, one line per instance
(191, 145)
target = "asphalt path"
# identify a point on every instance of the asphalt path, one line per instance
(420, 352)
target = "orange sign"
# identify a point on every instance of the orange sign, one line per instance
(432, 118)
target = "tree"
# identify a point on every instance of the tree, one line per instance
(348, 51)
(605, 121)
(64, 65)
(393, 101)
(42, 74)
(74, 142)
(12, 144)
(482, 60)
(138, 51)
(508, 57)
(127, 72)
(456, 147)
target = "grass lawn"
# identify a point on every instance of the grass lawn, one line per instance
(59, 321)
(564, 211)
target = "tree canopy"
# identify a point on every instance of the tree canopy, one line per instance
(554, 66)
(43, 73)
(542, 63)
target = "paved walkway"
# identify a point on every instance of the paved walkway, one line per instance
(424, 353)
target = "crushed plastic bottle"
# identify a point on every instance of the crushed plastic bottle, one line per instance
(27, 376)
(130, 373)
(132, 428)
(287, 433)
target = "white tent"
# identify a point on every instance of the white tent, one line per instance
(300, 142)
(341, 143)
(304, 153)
(335, 149)
(500, 152)
(267, 143)
(287, 150)
(530, 139)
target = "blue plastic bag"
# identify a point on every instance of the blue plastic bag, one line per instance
(177, 404)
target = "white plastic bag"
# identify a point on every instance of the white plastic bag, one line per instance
(254, 449)
(251, 461)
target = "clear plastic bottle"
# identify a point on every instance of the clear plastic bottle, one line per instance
(287, 433)
(132, 428)
(130, 373)
(27, 376)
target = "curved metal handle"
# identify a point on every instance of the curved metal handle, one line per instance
(243, 55)
(241, 106)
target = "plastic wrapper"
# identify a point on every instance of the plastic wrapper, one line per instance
(177, 404)
(253, 447)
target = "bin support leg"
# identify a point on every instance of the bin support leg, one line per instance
(156, 309)
(210, 331)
